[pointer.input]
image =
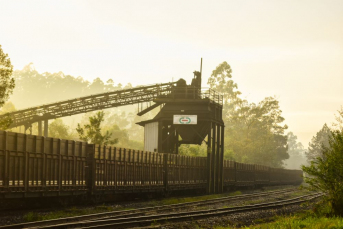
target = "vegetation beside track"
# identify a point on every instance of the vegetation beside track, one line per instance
(301, 221)
(324, 174)
(297, 221)
(315, 218)
(76, 211)
(187, 208)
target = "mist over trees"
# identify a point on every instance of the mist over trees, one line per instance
(34, 88)
(320, 140)
(254, 133)
(296, 152)
(57, 129)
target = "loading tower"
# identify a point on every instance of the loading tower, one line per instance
(189, 115)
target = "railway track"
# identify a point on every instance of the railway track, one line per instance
(130, 218)
(186, 216)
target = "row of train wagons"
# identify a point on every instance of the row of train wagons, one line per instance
(251, 175)
(34, 166)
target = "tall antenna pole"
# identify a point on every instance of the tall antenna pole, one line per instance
(201, 65)
(200, 73)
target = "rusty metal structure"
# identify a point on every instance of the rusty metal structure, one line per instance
(43, 113)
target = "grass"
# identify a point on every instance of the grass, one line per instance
(301, 220)
(296, 222)
(298, 193)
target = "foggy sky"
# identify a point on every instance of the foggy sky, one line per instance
(290, 49)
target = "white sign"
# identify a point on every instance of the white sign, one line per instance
(185, 119)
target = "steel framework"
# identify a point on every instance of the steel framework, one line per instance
(88, 103)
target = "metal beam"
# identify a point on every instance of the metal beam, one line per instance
(89, 103)
(146, 110)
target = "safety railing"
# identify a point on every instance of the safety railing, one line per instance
(195, 93)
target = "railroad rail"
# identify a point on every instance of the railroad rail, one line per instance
(79, 221)
(185, 216)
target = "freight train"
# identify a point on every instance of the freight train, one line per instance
(42, 167)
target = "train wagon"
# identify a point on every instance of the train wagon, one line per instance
(185, 172)
(121, 170)
(34, 166)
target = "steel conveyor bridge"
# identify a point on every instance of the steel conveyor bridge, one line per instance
(86, 104)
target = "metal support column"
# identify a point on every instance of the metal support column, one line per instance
(46, 126)
(209, 141)
(177, 142)
(218, 161)
(40, 128)
(160, 139)
(221, 158)
(213, 162)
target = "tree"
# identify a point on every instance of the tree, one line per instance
(317, 142)
(221, 81)
(92, 132)
(296, 152)
(57, 129)
(6, 121)
(193, 150)
(326, 172)
(255, 133)
(339, 120)
(6, 86)
(120, 134)
(6, 81)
